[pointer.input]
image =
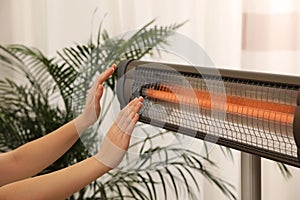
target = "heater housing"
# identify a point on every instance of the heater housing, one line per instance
(257, 113)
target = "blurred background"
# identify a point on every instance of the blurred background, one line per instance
(260, 35)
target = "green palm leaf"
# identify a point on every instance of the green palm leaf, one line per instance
(32, 108)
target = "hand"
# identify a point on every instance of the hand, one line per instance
(117, 139)
(92, 107)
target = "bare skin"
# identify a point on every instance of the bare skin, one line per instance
(19, 165)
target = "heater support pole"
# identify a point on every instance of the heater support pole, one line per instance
(251, 177)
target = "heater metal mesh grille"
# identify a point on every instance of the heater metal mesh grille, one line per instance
(250, 113)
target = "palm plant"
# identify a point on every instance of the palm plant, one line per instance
(42, 101)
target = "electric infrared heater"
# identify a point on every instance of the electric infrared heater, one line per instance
(256, 113)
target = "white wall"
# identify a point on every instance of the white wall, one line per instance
(213, 24)
(53, 24)
(23, 22)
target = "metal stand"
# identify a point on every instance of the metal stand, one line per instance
(251, 177)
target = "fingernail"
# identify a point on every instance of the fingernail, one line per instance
(114, 66)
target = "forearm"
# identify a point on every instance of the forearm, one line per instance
(63, 183)
(35, 156)
(56, 185)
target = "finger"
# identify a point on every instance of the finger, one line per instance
(131, 125)
(132, 115)
(107, 73)
(134, 110)
(135, 107)
(103, 77)
(124, 110)
(134, 101)
(99, 92)
(125, 114)
(128, 108)
(98, 96)
(141, 99)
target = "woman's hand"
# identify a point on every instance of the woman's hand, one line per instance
(117, 139)
(92, 107)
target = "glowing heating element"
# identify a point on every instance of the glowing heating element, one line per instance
(235, 105)
(253, 112)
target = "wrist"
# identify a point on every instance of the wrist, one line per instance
(81, 123)
(101, 166)
(110, 154)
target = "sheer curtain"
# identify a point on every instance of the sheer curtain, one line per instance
(259, 35)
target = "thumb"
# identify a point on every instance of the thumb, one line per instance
(99, 92)
(98, 96)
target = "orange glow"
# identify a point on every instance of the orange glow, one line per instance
(231, 104)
